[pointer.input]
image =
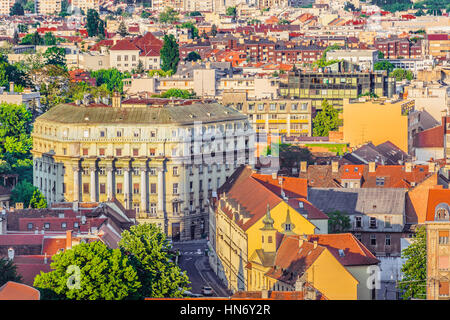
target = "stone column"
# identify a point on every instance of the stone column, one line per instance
(109, 180)
(143, 190)
(161, 191)
(76, 183)
(93, 184)
(127, 193)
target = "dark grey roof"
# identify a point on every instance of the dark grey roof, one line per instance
(359, 201)
(187, 114)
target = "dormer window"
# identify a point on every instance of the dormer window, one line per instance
(442, 212)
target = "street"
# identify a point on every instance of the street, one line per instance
(197, 267)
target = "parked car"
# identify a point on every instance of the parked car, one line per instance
(207, 291)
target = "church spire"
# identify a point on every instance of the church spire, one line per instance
(268, 221)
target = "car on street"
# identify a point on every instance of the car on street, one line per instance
(207, 291)
(191, 294)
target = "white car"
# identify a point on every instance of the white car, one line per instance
(199, 251)
(207, 291)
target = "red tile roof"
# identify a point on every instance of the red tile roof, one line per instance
(354, 252)
(124, 45)
(18, 291)
(20, 239)
(292, 186)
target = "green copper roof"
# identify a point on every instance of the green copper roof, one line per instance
(182, 114)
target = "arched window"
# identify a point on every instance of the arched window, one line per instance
(442, 212)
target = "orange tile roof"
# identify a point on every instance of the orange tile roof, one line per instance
(355, 253)
(292, 186)
(18, 291)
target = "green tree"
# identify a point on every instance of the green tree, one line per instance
(148, 250)
(326, 120)
(29, 6)
(213, 30)
(384, 65)
(338, 222)
(105, 274)
(64, 7)
(38, 200)
(15, 138)
(49, 39)
(400, 74)
(169, 15)
(23, 28)
(176, 93)
(291, 155)
(231, 11)
(55, 56)
(122, 30)
(380, 55)
(322, 62)
(193, 56)
(283, 21)
(111, 77)
(145, 14)
(170, 55)
(195, 14)
(191, 27)
(16, 10)
(34, 38)
(22, 193)
(140, 67)
(414, 270)
(8, 272)
(94, 25)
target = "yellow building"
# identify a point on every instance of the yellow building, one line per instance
(378, 121)
(236, 220)
(158, 160)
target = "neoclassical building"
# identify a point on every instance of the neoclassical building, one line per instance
(163, 161)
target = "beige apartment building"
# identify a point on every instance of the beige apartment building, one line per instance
(30, 99)
(85, 5)
(283, 116)
(438, 244)
(163, 161)
(5, 6)
(48, 6)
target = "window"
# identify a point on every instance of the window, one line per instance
(119, 171)
(373, 240)
(261, 107)
(135, 188)
(152, 152)
(119, 188)
(47, 225)
(175, 207)
(119, 133)
(443, 237)
(153, 188)
(152, 171)
(388, 240)
(136, 133)
(102, 188)
(387, 222)
(443, 262)
(273, 107)
(85, 187)
(86, 133)
(443, 288)
(136, 207)
(63, 225)
(76, 225)
(269, 239)
(373, 223)
(380, 181)
(175, 171)
(102, 133)
(135, 152)
(152, 134)
(118, 152)
(153, 208)
(294, 106)
(175, 188)
(30, 226)
(358, 222)
(101, 151)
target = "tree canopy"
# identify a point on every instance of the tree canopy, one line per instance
(8, 271)
(384, 65)
(231, 11)
(326, 120)
(414, 270)
(111, 77)
(23, 193)
(193, 56)
(104, 274)
(95, 26)
(170, 55)
(338, 222)
(176, 93)
(169, 15)
(38, 200)
(16, 10)
(148, 250)
(55, 56)
(400, 74)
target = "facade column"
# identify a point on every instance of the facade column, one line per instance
(127, 193)
(93, 184)
(109, 180)
(76, 183)
(144, 195)
(186, 183)
(161, 191)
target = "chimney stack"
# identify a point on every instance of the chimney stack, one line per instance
(116, 100)
(408, 167)
(303, 166)
(315, 244)
(431, 167)
(264, 294)
(334, 167)
(372, 166)
(68, 239)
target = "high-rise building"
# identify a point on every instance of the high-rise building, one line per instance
(163, 161)
(5, 6)
(85, 5)
(48, 6)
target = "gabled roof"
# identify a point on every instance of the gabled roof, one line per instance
(437, 197)
(354, 252)
(124, 45)
(18, 291)
(292, 187)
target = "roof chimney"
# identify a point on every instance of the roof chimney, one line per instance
(75, 206)
(372, 166)
(303, 166)
(431, 167)
(68, 239)
(116, 100)
(274, 175)
(11, 86)
(334, 166)
(315, 244)
(408, 167)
